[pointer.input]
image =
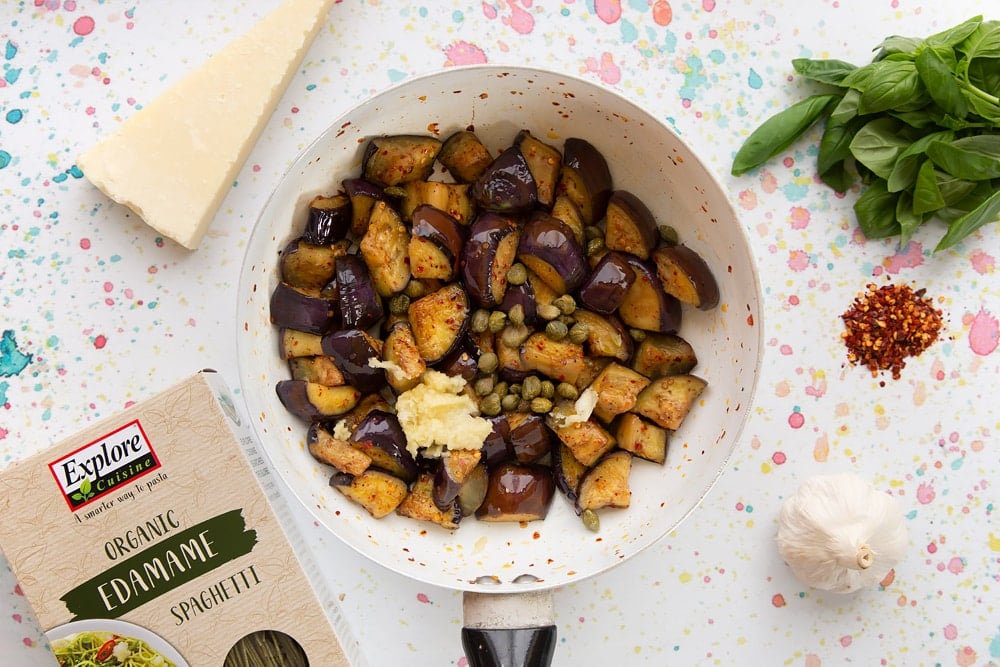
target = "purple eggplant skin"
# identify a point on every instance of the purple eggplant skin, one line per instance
(523, 295)
(329, 220)
(496, 447)
(314, 402)
(381, 436)
(549, 248)
(631, 226)
(293, 309)
(360, 304)
(517, 492)
(442, 229)
(605, 288)
(351, 349)
(461, 361)
(590, 170)
(531, 439)
(507, 185)
(484, 255)
(647, 306)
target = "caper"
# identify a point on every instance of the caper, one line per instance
(565, 303)
(480, 320)
(500, 389)
(547, 311)
(509, 403)
(488, 362)
(556, 330)
(415, 289)
(514, 389)
(490, 405)
(578, 333)
(591, 520)
(548, 389)
(513, 336)
(484, 385)
(668, 234)
(517, 274)
(566, 390)
(541, 405)
(399, 304)
(593, 232)
(638, 335)
(498, 321)
(516, 314)
(595, 246)
(531, 387)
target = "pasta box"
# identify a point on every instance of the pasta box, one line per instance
(157, 537)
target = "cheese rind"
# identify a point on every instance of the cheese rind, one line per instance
(174, 161)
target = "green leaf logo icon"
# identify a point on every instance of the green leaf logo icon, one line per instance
(85, 492)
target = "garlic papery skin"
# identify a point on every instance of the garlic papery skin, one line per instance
(837, 533)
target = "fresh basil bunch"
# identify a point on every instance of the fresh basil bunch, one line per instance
(919, 125)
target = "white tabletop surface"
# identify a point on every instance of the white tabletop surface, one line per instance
(109, 313)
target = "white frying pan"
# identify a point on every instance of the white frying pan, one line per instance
(491, 562)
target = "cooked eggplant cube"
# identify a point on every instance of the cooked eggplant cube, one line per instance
(631, 226)
(642, 438)
(454, 199)
(438, 321)
(319, 369)
(548, 247)
(588, 441)
(316, 402)
(464, 156)
(606, 286)
(378, 492)
(350, 421)
(585, 178)
(544, 162)
(400, 348)
(363, 195)
(507, 185)
(454, 467)
(606, 335)
(517, 492)
(351, 349)
(338, 453)
(460, 362)
(397, 159)
(529, 437)
(663, 354)
(617, 388)
(668, 400)
(685, 275)
(293, 308)
(560, 360)
(380, 436)
(293, 343)
(607, 483)
(436, 242)
(473, 490)
(419, 505)
(646, 306)
(329, 219)
(566, 210)
(567, 471)
(359, 301)
(487, 256)
(307, 266)
(385, 248)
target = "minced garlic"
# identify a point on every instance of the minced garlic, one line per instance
(583, 407)
(435, 415)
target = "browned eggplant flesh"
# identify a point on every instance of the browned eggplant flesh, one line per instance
(523, 272)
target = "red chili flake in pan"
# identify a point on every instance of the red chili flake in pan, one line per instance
(887, 324)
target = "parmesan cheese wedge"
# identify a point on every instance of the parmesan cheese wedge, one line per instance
(173, 167)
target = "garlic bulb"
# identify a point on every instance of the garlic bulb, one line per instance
(839, 534)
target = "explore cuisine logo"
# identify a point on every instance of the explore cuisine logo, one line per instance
(98, 468)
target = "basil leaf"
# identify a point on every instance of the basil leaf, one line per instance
(938, 77)
(984, 42)
(953, 190)
(876, 211)
(904, 171)
(974, 158)
(861, 77)
(835, 145)
(987, 110)
(898, 45)
(847, 108)
(917, 119)
(984, 214)
(780, 131)
(907, 219)
(877, 145)
(894, 85)
(927, 196)
(824, 71)
(955, 34)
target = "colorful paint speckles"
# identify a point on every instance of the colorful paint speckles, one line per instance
(97, 311)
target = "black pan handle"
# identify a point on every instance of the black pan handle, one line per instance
(509, 629)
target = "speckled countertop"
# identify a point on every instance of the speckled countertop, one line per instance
(98, 311)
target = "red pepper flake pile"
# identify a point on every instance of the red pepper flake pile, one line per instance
(887, 324)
